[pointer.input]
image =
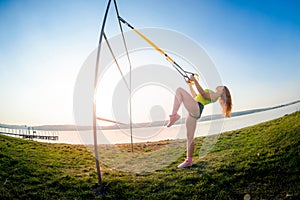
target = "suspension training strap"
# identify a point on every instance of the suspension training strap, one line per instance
(174, 64)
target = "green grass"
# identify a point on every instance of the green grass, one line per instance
(262, 160)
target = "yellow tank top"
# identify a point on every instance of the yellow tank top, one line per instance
(202, 100)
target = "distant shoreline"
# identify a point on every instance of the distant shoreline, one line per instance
(139, 125)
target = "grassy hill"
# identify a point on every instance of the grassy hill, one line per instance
(262, 160)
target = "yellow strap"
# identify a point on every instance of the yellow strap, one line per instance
(154, 45)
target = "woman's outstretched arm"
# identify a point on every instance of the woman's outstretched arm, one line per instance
(207, 95)
(199, 88)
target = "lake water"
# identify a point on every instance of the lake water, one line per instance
(150, 134)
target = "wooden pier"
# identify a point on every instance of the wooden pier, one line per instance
(30, 134)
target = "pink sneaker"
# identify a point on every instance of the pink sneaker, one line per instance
(186, 163)
(173, 119)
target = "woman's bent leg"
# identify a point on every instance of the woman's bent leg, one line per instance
(182, 96)
(189, 103)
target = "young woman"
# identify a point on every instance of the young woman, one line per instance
(194, 104)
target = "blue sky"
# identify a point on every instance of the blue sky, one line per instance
(254, 44)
